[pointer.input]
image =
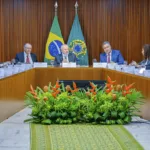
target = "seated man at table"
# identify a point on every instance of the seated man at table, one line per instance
(109, 55)
(65, 56)
(26, 56)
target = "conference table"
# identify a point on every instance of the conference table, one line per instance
(14, 87)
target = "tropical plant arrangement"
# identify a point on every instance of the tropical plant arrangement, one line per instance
(113, 104)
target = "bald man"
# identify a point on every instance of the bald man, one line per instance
(65, 55)
(26, 56)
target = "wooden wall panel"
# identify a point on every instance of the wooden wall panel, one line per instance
(15, 87)
(125, 23)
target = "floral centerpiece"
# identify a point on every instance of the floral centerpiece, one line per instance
(114, 104)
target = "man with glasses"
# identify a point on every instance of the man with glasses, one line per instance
(26, 56)
(109, 55)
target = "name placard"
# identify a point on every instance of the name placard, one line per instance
(40, 65)
(69, 65)
(99, 65)
(147, 73)
(139, 71)
(128, 69)
(2, 73)
(111, 65)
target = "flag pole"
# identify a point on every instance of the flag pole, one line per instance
(56, 6)
(76, 7)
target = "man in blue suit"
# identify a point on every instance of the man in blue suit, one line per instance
(65, 56)
(110, 55)
(26, 56)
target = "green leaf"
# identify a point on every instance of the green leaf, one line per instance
(122, 115)
(127, 119)
(96, 116)
(114, 114)
(46, 121)
(39, 89)
(29, 120)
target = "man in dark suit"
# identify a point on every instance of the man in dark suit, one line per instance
(110, 55)
(65, 56)
(26, 56)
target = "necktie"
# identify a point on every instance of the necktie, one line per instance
(108, 58)
(27, 59)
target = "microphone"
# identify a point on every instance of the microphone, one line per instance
(13, 61)
(94, 60)
(1, 65)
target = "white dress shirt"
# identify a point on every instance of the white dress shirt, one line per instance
(65, 57)
(25, 58)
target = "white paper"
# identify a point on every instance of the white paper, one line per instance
(147, 73)
(112, 65)
(15, 69)
(139, 71)
(99, 65)
(28, 66)
(8, 72)
(2, 73)
(22, 67)
(128, 69)
(69, 65)
(40, 65)
(118, 67)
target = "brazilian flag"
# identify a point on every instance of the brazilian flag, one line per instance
(77, 44)
(54, 42)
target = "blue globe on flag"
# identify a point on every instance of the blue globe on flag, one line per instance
(54, 48)
(77, 48)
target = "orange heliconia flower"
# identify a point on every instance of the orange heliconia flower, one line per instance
(57, 92)
(92, 90)
(32, 91)
(108, 85)
(57, 84)
(127, 88)
(108, 91)
(75, 90)
(94, 93)
(54, 88)
(92, 85)
(110, 81)
(74, 85)
(31, 87)
(124, 93)
(54, 95)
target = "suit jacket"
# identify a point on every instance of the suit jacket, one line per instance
(143, 62)
(20, 57)
(115, 57)
(59, 58)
